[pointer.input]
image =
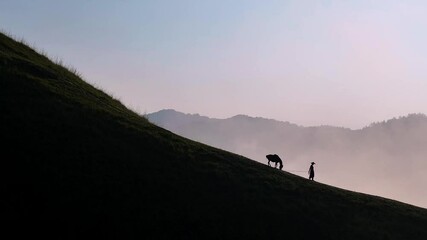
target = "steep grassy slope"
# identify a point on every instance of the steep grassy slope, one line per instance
(78, 164)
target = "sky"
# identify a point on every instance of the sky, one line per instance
(342, 63)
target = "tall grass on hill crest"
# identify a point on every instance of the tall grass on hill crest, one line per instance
(42, 68)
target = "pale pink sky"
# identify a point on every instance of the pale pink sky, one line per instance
(344, 63)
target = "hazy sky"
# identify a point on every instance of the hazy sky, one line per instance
(345, 63)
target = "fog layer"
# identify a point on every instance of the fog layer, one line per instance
(387, 158)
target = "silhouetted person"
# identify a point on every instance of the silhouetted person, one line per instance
(276, 159)
(311, 171)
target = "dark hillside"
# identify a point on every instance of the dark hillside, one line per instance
(78, 164)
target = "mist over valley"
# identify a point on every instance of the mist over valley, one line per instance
(386, 158)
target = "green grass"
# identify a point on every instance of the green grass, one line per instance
(77, 164)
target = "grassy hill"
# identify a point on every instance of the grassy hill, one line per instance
(78, 164)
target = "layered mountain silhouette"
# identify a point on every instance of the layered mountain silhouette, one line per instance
(386, 158)
(78, 164)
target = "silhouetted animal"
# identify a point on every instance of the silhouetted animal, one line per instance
(276, 159)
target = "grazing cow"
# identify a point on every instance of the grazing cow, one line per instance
(276, 159)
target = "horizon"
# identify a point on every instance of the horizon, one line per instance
(325, 63)
(284, 120)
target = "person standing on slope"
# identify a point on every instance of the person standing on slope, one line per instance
(311, 171)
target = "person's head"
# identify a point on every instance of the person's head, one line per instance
(312, 163)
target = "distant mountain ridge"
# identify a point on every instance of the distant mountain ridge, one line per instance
(163, 115)
(355, 159)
